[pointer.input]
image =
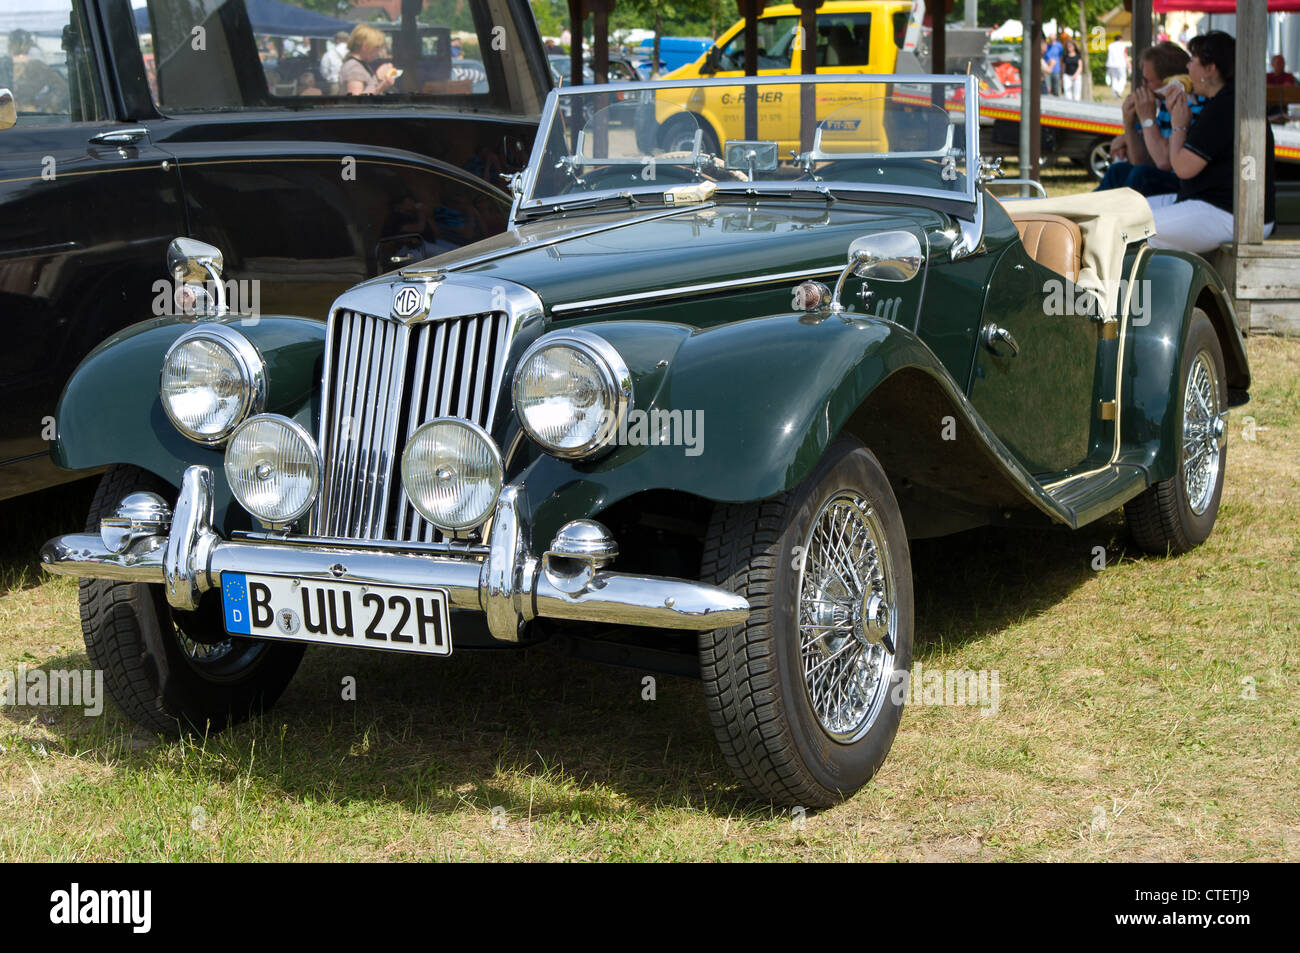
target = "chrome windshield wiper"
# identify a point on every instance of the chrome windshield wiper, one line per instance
(818, 194)
(622, 198)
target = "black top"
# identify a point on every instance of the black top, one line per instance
(1070, 64)
(1213, 137)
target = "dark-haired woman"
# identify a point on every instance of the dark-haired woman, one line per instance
(1204, 155)
(1072, 71)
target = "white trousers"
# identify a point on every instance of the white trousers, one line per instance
(1193, 226)
(1072, 86)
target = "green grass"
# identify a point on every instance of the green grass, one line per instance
(1124, 731)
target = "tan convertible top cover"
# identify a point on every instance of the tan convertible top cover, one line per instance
(1108, 220)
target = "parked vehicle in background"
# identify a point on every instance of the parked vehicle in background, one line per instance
(674, 51)
(853, 36)
(685, 414)
(127, 135)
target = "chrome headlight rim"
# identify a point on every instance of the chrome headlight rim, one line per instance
(617, 381)
(252, 369)
(498, 469)
(302, 434)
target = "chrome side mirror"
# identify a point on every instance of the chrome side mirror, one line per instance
(885, 256)
(8, 111)
(192, 264)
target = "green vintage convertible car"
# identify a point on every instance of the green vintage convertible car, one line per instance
(685, 413)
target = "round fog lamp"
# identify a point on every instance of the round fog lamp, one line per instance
(452, 473)
(273, 468)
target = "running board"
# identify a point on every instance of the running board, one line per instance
(1090, 496)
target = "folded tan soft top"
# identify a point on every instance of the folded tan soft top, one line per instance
(1108, 221)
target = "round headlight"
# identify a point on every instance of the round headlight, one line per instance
(451, 471)
(572, 390)
(273, 468)
(212, 378)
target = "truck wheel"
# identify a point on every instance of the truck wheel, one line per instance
(169, 671)
(677, 134)
(1174, 515)
(805, 698)
(1097, 159)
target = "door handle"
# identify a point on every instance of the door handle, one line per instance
(120, 137)
(1000, 341)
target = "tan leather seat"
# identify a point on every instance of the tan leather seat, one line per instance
(1051, 240)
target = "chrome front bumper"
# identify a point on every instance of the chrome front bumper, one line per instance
(503, 579)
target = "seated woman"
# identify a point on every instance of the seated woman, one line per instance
(1204, 157)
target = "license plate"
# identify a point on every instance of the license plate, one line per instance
(337, 613)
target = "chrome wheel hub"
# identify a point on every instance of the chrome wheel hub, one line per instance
(204, 652)
(847, 625)
(1203, 434)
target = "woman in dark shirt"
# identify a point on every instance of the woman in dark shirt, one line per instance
(1204, 156)
(1071, 73)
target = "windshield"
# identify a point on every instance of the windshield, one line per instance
(669, 142)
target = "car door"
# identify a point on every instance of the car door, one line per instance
(1036, 363)
(87, 206)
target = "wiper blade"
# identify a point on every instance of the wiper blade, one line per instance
(622, 198)
(819, 194)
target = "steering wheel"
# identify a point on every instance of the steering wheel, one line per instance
(614, 177)
(885, 171)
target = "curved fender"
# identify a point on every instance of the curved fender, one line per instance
(765, 398)
(1169, 285)
(110, 411)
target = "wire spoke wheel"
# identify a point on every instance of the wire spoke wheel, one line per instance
(1203, 434)
(1178, 511)
(847, 622)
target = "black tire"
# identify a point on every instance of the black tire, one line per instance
(168, 671)
(1163, 520)
(1096, 159)
(754, 682)
(678, 131)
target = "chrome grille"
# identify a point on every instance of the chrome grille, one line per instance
(383, 379)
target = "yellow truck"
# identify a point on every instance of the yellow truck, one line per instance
(852, 36)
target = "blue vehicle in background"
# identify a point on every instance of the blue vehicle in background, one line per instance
(675, 51)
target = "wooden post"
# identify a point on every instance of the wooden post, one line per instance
(1252, 36)
(938, 44)
(938, 35)
(808, 66)
(1035, 92)
(1027, 48)
(1142, 37)
(576, 13)
(1085, 62)
(600, 10)
(1248, 197)
(750, 9)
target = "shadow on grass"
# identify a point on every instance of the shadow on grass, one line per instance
(537, 732)
(26, 522)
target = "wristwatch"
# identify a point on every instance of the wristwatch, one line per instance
(1148, 123)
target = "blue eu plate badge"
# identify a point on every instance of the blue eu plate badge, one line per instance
(234, 590)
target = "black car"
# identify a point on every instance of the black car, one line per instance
(130, 127)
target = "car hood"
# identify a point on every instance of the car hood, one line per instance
(597, 257)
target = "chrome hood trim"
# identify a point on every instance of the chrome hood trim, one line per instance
(443, 296)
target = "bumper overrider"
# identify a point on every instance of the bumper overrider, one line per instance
(179, 549)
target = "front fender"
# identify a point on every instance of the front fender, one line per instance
(1169, 285)
(110, 411)
(767, 396)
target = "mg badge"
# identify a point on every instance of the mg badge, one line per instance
(407, 302)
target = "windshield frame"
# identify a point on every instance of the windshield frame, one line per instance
(526, 206)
